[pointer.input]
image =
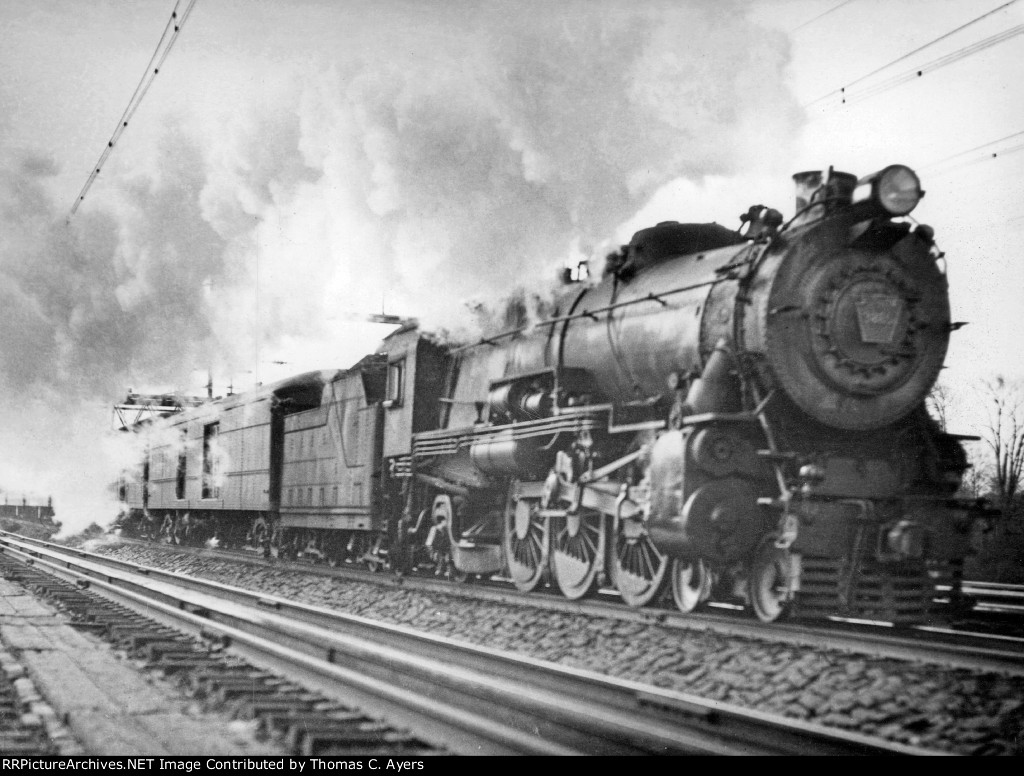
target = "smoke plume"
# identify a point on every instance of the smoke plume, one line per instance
(433, 174)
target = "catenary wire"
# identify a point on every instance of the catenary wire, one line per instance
(990, 143)
(821, 15)
(911, 53)
(1002, 153)
(935, 64)
(167, 39)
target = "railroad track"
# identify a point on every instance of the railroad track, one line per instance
(452, 696)
(996, 597)
(973, 648)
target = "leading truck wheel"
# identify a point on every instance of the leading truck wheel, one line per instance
(526, 543)
(770, 582)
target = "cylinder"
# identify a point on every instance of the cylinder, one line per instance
(501, 454)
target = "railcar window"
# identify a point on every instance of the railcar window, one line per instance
(309, 497)
(334, 499)
(321, 496)
(396, 378)
(211, 456)
(179, 484)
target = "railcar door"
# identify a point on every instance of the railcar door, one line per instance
(276, 457)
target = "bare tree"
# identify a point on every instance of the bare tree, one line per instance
(1003, 433)
(978, 477)
(939, 400)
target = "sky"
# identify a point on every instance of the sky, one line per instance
(298, 165)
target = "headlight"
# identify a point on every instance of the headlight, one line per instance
(896, 189)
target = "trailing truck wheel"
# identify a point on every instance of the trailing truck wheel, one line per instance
(769, 582)
(691, 583)
(526, 543)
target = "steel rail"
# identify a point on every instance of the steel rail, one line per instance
(498, 701)
(933, 644)
(998, 587)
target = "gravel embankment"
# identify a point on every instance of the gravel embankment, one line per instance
(924, 705)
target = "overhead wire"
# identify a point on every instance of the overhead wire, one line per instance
(821, 15)
(1002, 153)
(989, 144)
(935, 64)
(919, 49)
(163, 48)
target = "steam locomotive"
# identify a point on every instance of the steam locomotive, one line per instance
(728, 415)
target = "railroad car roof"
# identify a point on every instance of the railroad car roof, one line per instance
(309, 383)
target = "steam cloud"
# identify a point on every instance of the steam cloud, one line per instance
(447, 172)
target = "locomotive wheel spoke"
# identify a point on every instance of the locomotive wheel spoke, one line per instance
(577, 553)
(639, 568)
(768, 582)
(691, 583)
(526, 543)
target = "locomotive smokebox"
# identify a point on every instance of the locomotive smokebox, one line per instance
(857, 340)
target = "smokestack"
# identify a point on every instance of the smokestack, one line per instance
(807, 185)
(832, 190)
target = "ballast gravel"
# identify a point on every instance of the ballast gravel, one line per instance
(953, 710)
